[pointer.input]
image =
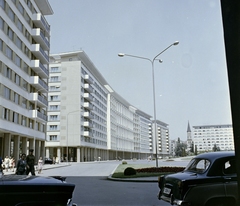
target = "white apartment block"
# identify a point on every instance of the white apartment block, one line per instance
(24, 59)
(89, 121)
(206, 136)
(162, 141)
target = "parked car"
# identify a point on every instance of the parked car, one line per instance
(48, 160)
(23, 190)
(210, 179)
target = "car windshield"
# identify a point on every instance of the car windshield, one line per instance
(198, 165)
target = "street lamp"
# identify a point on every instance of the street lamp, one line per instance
(153, 81)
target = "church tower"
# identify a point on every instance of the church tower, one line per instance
(189, 138)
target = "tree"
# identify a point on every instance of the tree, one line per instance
(180, 149)
(195, 152)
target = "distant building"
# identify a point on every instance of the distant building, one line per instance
(207, 136)
(88, 120)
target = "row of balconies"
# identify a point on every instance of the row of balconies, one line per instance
(41, 35)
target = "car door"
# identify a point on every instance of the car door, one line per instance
(230, 178)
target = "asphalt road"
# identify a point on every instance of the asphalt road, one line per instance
(94, 189)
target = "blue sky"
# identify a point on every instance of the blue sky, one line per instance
(191, 83)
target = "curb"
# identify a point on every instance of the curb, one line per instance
(137, 179)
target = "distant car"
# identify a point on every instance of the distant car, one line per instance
(23, 190)
(48, 161)
(210, 179)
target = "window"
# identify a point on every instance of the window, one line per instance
(25, 67)
(26, 50)
(17, 79)
(2, 4)
(53, 137)
(1, 23)
(54, 69)
(53, 117)
(27, 18)
(18, 61)
(23, 121)
(11, 14)
(27, 35)
(53, 127)
(10, 33)
(5, 114)
(19, 43)
(54, 79)
(20, 8)
(54, 98)
(9, 53)
(54, 107)
(24, 84)
(15, 117)
(8, 73)
(29, 4)
(19, 25)
(24, 103)
(16, 98)
(1, 44)
(7, 93)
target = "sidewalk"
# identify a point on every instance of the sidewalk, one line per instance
(45, 167)
(64, 164)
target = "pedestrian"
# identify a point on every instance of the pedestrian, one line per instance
(21, 165)
(13, 164)
(40, 165)
(6, 163)
(1, 168)
(30, 162)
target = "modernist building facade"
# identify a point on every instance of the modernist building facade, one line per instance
(24, 59)
(205, 137)
(89, 121)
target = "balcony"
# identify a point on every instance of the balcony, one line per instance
(41, 22)
(88, 124)
(88, 115)
(87, 134)
(39, 37)
(39, 52)
(34, 114)
(41, 101)
(88, 96)
(88, 87)
(38, 83)
(39, 68)
(88, 79)
(88, 105)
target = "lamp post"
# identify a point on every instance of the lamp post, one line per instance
(153, 81)
(67, 129)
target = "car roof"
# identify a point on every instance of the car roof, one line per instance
(215, 155)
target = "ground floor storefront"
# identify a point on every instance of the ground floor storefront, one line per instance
(87, 154)
(12, 145)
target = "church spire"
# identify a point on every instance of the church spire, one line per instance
(188, 127)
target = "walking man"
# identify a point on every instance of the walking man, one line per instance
(30, 163)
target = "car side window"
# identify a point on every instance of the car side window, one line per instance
(230, 167)
(202, 165)
(198, 165)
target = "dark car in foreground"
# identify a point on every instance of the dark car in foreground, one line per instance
(210, 179)
(23, 190)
